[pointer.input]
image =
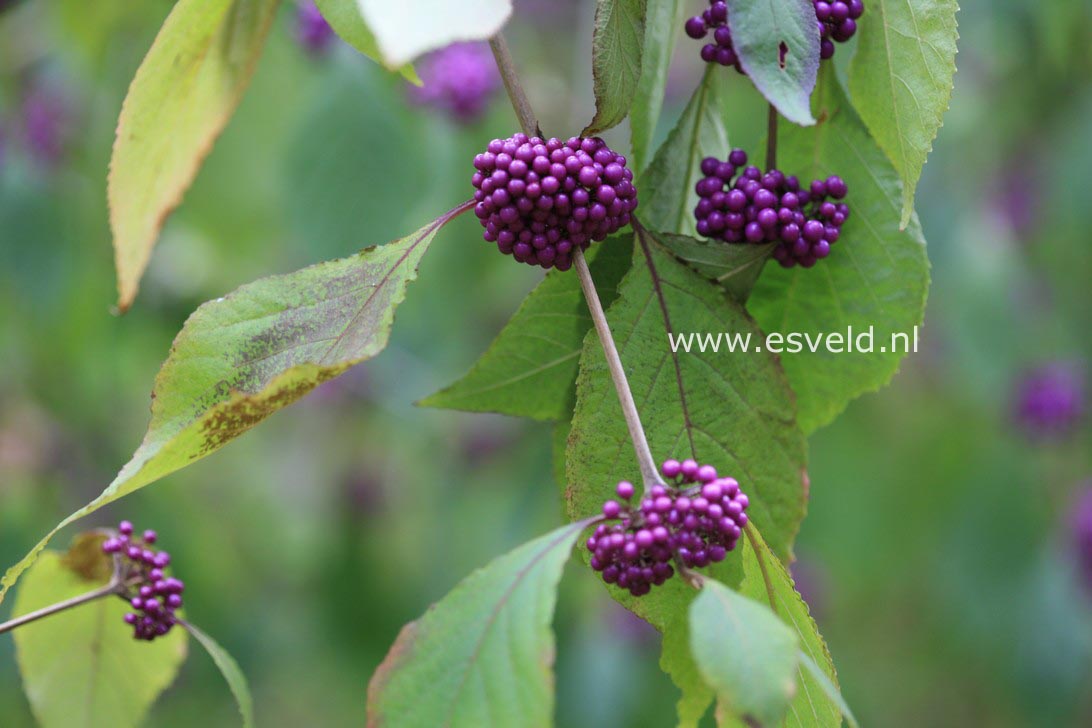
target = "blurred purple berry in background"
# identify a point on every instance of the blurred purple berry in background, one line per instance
(1050, 400)
(46, 117)
(459, 80)
(813, 583)
(312, 31)
(1082, 536)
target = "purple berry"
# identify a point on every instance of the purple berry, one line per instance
(146, 589)
(460, 80)
(313, 33)
(695, 28)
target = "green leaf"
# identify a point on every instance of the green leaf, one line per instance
(257, 350)
(405, 30)
(734, 411)
(616, 60)
(483, 655)
(667, 186)
(736, 267)
(229, 668)
(530, 368)
(662, 22)
(876, 276)
(901, 80)
(766, 579)
(744, 652)
(82, 666)
(182, 97)
(778, 46)
(828, 687)
(344, 17)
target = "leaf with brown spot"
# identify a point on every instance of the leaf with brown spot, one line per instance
(242, 357)
(180, 100)
(483, 655)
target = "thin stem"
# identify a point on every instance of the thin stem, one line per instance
(771, 139)
(520, 103)
(112, 588)
(649, 473)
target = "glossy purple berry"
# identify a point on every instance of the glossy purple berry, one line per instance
(538, 200)
(153, 599)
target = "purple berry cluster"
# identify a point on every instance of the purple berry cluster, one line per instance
(539, 200)
(837, 21)
(746, 206)
(1050, 400)
(460, 80)
(313, 33)
(697, 519)
(154, 596)
(715, 19)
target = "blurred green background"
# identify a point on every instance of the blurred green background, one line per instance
(938, 553)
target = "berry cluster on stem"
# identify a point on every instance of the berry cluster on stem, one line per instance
(154, 596)
(740, 204)
(693, 520)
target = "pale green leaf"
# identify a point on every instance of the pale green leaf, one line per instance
(405, 30)
(257, 350)
(229, 668)
(831, 690)
(344, 17)
(616, 60)
(901, 80)
(667, 186)
(736, 267)
(766, 579)
(663, 18)
(82, 666)
(778, 46)
(745, 653)
(482, 657)
(182, 97)
(876, 276)
(732, 411)
(530, 368)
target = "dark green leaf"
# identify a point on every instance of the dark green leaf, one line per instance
(344, 17)
(901, 80)
(736, 267)
(663, 19)
(235, 678)
(667, 186)
(778, 46)
(257, 350)
(530, 368)
(83, 666)
(483, 655)
(766, 579)
(182, 97)
(876, 275)
(744, 652)
(616, 60)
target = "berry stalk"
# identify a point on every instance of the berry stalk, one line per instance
(650, 476)
(114, 587)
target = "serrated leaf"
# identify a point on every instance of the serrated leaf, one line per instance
(82, 666)
(744, 652)
(257, 350)
(778, 46)
(876, 276)
(735, 267)
(901, 80)
(731, 410)
(483, 655)
(616, 60)
(229, 668)
(766, 579)
(405, 30)
(667, 186)
(662, 21)
(828, 687)
(530, 368)
(344, 17)
(182, 97)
